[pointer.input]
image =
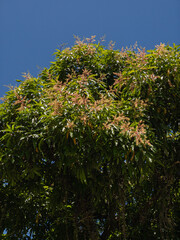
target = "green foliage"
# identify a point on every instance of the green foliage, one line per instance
(89, 149)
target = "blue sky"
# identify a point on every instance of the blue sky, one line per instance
(31, 30)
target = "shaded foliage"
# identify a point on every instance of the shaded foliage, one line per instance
(90, 148)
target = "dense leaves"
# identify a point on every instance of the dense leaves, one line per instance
(90, 148)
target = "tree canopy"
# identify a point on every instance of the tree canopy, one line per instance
(90, 148)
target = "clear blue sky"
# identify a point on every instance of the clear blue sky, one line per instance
(31, 30)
